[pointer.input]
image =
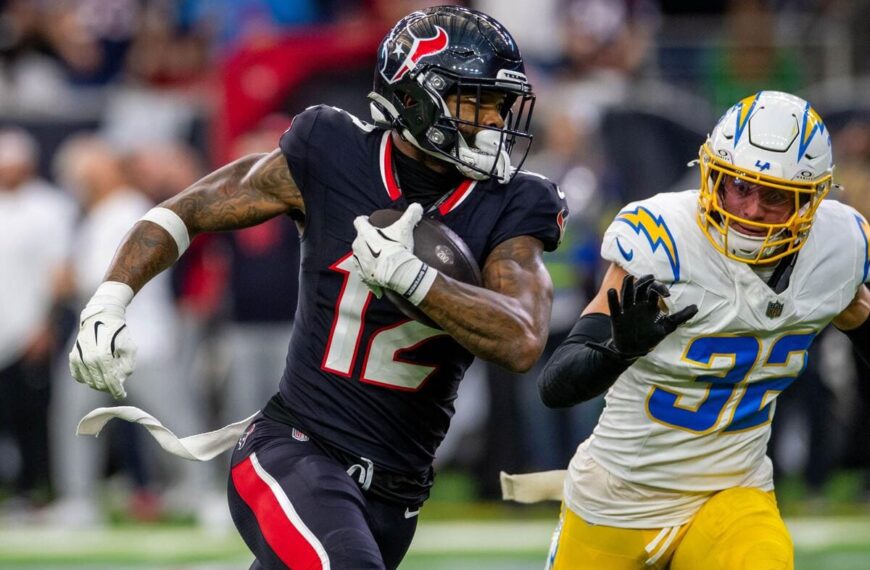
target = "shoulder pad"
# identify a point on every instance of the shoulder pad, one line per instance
(860, 231)
(865, 233)
(534, 206)
(338, 114)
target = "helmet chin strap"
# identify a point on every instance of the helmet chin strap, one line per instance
(746, 246)
(487, 154)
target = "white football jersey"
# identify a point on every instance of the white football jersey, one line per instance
(693, 416)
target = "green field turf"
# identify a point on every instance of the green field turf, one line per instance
(841, 543)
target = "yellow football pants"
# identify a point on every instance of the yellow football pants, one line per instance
(736, 529)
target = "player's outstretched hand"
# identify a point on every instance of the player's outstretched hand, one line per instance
(637, 321)
(385, 258)
(104, 355)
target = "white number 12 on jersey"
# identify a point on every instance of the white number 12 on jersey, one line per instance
(382, 364)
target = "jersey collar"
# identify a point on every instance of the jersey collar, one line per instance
(453, 199)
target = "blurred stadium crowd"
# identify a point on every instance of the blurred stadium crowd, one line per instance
(110, 106)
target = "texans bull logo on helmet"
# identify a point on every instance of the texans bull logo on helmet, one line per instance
(422, 47)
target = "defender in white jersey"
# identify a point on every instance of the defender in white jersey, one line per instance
(723, 290)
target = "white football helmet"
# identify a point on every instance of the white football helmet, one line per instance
(772, 139)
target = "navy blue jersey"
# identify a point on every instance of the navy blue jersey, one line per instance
(360, 375)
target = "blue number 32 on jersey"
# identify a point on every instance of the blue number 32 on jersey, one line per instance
(753, 399)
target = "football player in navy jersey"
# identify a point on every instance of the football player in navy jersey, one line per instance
(334, 470)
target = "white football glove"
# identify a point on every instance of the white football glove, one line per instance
(104, 353)
(384, 256)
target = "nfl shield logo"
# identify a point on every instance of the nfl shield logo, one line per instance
(774, 309)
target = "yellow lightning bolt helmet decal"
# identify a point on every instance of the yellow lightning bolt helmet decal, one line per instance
(656, 232)
(746, 106)
(811, 124)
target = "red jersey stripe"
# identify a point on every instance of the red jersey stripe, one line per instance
(390, 183)
(462, 191)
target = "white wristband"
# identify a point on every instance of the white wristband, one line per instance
(113, 292)
(169, 221)
(111, 297)
(419, 277)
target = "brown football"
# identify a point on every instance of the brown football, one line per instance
(438, 246)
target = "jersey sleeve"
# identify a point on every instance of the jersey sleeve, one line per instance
(640, 241)
(538, 209)
(296, 143)
(863, 245)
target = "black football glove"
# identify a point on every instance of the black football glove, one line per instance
(636, 321)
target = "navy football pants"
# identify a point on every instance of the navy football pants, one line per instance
(297, 508)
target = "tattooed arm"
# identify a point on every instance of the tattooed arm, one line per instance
(243, 193)
(507, 321)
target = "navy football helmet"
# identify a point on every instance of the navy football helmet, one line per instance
(448, 50)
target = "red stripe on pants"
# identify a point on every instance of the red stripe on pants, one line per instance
(280, 533)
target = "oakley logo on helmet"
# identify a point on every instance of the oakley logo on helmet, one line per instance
(422, 47)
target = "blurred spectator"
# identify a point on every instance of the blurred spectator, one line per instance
(853, 172)
(853, 162)
(606, 43)
(161, 171)
(37, 222)
(30, 78)
(58, 57)
(92, 171)
(168, 50)
(749, 59)
(804, 439)
(232, 23)
(20, 22)
(199, 284)
(577, 164)
(92, 37)
(262, 289)
(533, 23)
(319, 64)
(858, 16)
